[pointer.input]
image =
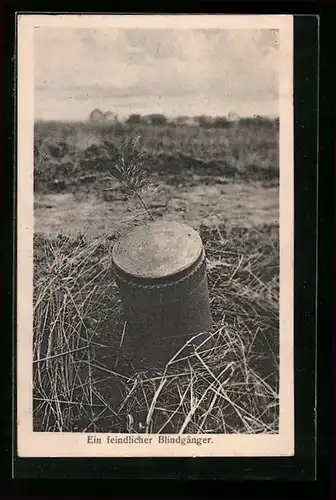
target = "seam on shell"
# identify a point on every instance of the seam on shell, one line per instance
(164, 285)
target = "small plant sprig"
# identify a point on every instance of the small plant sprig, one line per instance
(128, 165)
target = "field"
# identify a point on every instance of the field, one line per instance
(225, 183)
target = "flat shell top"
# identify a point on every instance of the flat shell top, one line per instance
(157, 250)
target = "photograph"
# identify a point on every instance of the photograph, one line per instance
(155, 235)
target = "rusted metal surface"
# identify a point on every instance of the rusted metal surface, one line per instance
(160, 270)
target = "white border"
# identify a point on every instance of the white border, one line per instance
(44, 444)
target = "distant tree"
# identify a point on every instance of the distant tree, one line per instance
(134, 118)
(258, 121)
(187, 120)
(158, 119)
(221, 122)
(111, 117)
(97, 116)
(203, 121)
(247, 121)
(206, 121)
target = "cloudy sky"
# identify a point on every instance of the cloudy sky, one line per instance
(175, 72)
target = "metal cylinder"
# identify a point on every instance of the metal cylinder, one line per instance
(160, 271)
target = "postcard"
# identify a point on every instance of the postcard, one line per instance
(155, 236)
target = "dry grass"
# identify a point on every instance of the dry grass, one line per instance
(84, 382)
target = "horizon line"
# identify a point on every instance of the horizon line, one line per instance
(125, 118)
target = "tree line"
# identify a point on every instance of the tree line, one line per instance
(159, 119)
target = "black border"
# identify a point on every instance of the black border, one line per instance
(305, 65)
(296, 468)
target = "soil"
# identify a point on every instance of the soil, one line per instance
(244, 204)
